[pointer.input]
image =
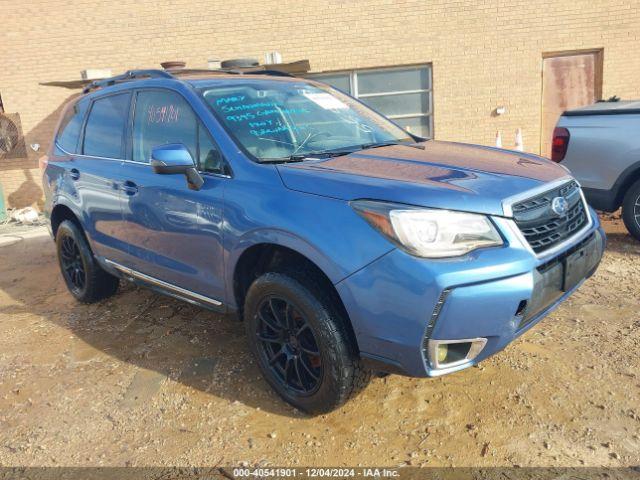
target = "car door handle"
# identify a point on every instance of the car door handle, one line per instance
(74, 173)
(129, 188)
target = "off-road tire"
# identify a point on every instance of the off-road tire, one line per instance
(98, 284)
(631, 210)
(343, 375)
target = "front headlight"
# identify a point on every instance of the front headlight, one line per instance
(427, 232)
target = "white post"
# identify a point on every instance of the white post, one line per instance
(519, 142)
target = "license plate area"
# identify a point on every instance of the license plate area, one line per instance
(561, 275)
(578, 265)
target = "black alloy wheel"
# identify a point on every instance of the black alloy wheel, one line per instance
(73, 267)
(82, 274)
(288, 345)
(301, 340)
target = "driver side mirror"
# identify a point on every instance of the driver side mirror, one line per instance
(175, 158)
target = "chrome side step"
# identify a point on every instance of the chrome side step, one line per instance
(175, 290)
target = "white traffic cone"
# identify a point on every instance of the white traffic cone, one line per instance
(519, 143)
(498, 139)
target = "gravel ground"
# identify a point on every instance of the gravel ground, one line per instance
(142, 379)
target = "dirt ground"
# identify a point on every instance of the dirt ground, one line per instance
(143, 380)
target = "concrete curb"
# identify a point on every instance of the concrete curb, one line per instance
(10, 238)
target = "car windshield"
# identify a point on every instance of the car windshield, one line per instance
(280, 121)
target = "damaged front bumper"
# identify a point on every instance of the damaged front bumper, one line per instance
(438, 317)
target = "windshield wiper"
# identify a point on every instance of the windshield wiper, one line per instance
(387, 144)
(318, 155)
(378, 144)
(291, 159)
(297, 157)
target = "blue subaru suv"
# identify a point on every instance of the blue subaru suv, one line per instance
(346, 244)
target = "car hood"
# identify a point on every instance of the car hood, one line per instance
(434, 174)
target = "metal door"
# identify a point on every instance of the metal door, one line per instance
(569, 80)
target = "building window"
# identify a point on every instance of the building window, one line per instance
(403, 94)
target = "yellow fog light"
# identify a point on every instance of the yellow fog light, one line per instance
(444, 355)
(443, 350)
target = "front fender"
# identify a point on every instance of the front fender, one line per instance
(326, 231)
(259, 209)
(289, 240)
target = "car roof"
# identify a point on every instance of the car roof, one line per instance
(196, 79)
(133, 78)
(224, 78)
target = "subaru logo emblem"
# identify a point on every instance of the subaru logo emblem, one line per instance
(560, 206)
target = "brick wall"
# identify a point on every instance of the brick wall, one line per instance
(484, 53)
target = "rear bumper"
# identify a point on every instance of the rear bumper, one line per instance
(399, 303)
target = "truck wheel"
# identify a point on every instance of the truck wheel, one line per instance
(84, 277)
(631, 210)
(301, 344)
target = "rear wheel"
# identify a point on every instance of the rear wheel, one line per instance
(631, 210)
(301, 343)
(85, 279)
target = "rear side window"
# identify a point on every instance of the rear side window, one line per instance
(104, 133)
(69, 131)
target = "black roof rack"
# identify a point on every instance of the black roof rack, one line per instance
(138, 74)
(127, 76)
(274, 73)
(234, 71)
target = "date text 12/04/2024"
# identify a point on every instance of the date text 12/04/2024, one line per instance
(316, 472)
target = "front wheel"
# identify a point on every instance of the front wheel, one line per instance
(631, 210)
(301, 343)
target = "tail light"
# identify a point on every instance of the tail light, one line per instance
(559, 144)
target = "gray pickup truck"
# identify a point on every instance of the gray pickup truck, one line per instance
(600, 144)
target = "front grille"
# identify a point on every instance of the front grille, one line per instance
(541, 226)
